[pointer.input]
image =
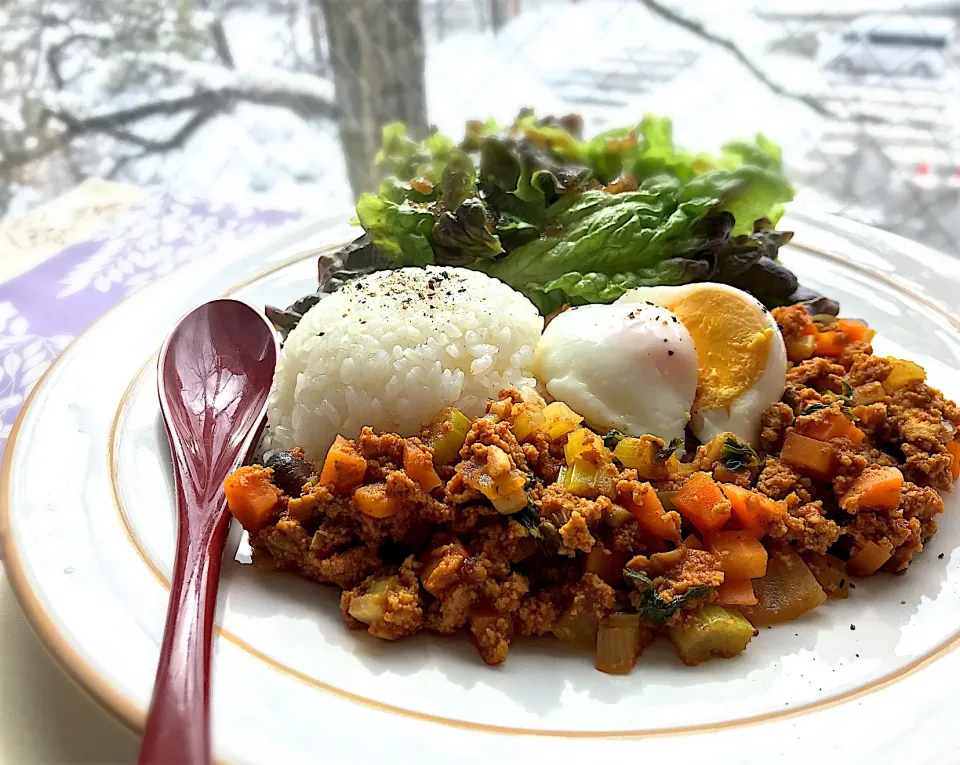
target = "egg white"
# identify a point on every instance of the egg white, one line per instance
(632, 368)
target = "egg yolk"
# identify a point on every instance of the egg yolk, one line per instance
(732, 345)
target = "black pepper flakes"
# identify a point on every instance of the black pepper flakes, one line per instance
(940, 556)
(853, 627)
(669, 353)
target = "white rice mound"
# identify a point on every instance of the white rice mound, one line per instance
(391, 349)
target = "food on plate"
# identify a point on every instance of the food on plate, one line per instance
(577, 504)
(392, 348)
(631, 368)
(742, 358)
(568, 220)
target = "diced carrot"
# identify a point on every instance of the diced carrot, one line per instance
(605, 563)
(808, 455)
(738, 498)
(954, 448)
(701, 501)
(251, 496)
(755, 511)
(855, 330)
(344, 466)
(833, 424)
(736, 592)
(374, 501)
(829, 343)
(877, 488)
(647, 508)
(418, 464)
(869, 558)
(740, 554)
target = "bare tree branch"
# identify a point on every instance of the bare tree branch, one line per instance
(111, 124)
(701, 31)
(56, 51)
(219, 36)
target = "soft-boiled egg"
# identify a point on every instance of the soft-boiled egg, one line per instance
(741, 356)
(628, 367)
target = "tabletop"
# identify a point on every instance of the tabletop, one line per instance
(61, 267)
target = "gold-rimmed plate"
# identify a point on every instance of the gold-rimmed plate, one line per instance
(88, 540)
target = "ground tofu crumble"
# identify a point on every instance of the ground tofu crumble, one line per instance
(446, 560)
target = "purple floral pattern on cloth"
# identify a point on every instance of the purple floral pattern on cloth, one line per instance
(43, 309)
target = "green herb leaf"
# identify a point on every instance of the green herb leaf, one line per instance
(667, 451)
(530, 520)
(736, 455)
(651, 606)
(612, 438)
(844, 409)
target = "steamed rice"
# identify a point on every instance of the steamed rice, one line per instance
(391, 349)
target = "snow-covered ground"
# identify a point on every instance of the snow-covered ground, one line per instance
(609, 60)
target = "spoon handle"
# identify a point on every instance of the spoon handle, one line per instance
(177, 729)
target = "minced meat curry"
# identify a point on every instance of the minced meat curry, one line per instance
(522, 522)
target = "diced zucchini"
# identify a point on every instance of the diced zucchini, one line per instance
(511, 503)
(618, 642)
(712, 631)
(505, 491)
(579, 629)
(528, 422)
(581, 443)
(586, 479)
(368, 608)
(559, 419)
(446, 434)
(830, 573)
(636, 453)
(902, 374)
(641, 454)
(869, 393)
(787, 591)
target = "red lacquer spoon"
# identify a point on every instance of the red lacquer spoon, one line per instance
(215, 372)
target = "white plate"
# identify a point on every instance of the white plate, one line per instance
(88, 536)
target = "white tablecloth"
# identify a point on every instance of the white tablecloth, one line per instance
(44, 716)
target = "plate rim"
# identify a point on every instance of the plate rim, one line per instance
(58, 643)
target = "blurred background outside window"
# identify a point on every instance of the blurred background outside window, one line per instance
(280, 103)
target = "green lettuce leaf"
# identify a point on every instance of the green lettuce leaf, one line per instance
(578, 288)
(526, 203)
(407, 159)
(399, 231)
(458, 181)
(464, 235)
(610, 234)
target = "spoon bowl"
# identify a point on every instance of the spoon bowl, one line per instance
(214, 376)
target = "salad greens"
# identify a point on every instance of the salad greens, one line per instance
(571, 221)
